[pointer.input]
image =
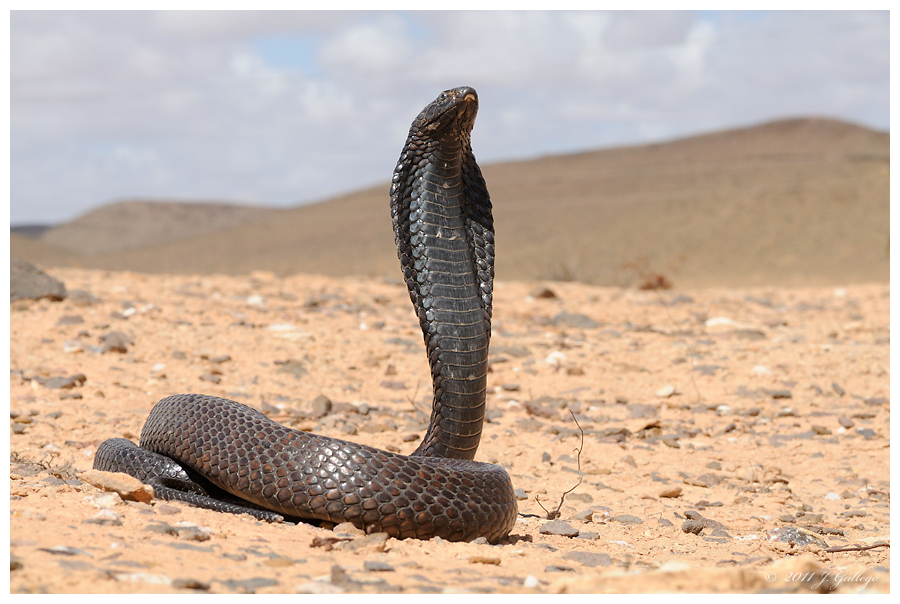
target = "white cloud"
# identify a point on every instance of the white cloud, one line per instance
(107, 105)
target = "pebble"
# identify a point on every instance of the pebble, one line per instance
(104, 518)
(485, 560)
(375, 541)
(554, 568)
(70, 320)
(692, 526)
(320, 407)
(128, 487)
(318, 587)
(142, 578)
(837, 388)
(671, 492)
(797, 536)
(115, 341)
(666, 391)
(292, 367)
(589, 535)
(520, 494)
(63, 382)
(583, 516)
(190, 584)
(558, 527)
(846, 422)
(530, 581)
(28, 282)
(249, 586)
(377, 567)
(627, 519)
(556, 358)
(589, 559)
(64, 550)
(80, 297)
(541, 292)
(574, 320)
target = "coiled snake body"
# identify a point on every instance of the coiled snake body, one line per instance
(223, 455)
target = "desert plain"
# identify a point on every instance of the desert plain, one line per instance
(708, 422)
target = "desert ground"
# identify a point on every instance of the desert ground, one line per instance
(691, 440)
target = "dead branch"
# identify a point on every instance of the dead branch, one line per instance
(555, 513)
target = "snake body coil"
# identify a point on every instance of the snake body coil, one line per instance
(223, 455)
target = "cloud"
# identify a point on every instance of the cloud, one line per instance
(288, 107)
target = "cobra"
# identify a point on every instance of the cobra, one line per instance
(220, 454)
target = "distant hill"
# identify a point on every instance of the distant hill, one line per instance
(792, 202)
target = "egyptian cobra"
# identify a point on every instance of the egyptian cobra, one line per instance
(220, 454)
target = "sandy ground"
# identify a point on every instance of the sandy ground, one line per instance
(738, 412)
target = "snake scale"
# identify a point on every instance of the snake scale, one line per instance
(220, 454)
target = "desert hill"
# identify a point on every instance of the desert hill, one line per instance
(792, 202)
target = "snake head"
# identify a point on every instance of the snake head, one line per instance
(451, 115)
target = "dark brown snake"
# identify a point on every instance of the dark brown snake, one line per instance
(223, 455)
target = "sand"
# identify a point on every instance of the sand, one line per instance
(734, 411)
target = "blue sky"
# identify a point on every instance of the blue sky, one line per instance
(281, 108)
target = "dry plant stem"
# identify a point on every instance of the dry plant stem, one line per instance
(555, 513)
(857, 548)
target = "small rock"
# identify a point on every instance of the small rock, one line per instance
(375, 541)
(190, 584)
(249, 586)
(377, 567)
(128, 487)
(574, 320)
(520, 494)
(778, 394)
(797, 536)
(104, 518)
(627, 519)
(485, 560)
(556, 358)
(558, 527)
(292, 367)
(80, 297)
(866, 433)
(211, 377)
(692, 526)
(530, 581)
(846, 422)
(553, 568)
(115, 341)
(837, 388)
(320, 406)
(671, 492)
(64, 550)
(589, 559)
(70, 320)
(543, 293)
(820, 430)
(666, 391)
(28, 282)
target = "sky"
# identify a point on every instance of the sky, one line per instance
(282, 108)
